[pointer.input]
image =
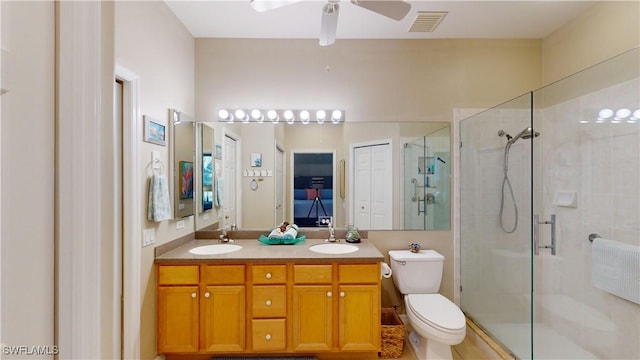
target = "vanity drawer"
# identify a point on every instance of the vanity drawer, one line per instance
(269, 334)
(178, 275)
(269, 274)
(312, 274)
(224, 274)
(358, 274)
(269, 301)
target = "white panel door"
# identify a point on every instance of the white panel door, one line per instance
(373, 194)
(381, 187)
(362, 188)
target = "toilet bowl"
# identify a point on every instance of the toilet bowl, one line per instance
(437, 322)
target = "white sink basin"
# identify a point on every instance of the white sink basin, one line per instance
(215, 249)
(334, 248)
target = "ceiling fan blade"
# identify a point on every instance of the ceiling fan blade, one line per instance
(329, 24)
(266, 5)
(395, 9)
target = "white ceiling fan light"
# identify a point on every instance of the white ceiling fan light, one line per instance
(394, 9)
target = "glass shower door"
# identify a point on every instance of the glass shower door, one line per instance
(495, 222)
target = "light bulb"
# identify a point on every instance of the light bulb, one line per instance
(605, 114)
(257, 115)
(241, 115)
(288, 115)
(225, 115)
(622, 113)
(320, 116)
(636, 115)
(273, 116)
(304, 116)
(336, 116)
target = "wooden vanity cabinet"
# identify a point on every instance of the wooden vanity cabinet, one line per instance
(260, 308)
(347, 303)
(201, 308)
(178, 308)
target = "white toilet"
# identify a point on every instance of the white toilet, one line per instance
(437, 322)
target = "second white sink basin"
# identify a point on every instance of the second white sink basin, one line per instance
(215, 249)
(333, 248)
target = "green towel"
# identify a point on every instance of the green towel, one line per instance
(281, 241)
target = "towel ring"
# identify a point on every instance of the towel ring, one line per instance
(253, 185)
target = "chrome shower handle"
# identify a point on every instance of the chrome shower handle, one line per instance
(415, 190)
(536, 236)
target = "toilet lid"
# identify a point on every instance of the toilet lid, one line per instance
(437, 311)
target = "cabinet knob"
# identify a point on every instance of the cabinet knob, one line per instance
(329, 294)
(268, 303)
(207, 294)
(268, 275)
(342, 294)
(193, 295)
(268, 337)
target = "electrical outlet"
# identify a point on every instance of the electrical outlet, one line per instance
(179, 224)
(148, 237)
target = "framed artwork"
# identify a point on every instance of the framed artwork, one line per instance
(154, 132)
(186, 180)
(256, 159)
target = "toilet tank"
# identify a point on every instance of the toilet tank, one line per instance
(416, 273)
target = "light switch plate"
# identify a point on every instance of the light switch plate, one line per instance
(148, 237)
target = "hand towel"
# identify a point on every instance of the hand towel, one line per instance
(291, 232)
(616, 268)
(159, 205)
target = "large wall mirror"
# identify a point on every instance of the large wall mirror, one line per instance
(408, 186)
(182, 163)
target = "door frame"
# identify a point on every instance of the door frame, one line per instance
(238, 160)
(351, 172)
(132, 226)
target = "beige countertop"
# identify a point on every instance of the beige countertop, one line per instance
(255, 251)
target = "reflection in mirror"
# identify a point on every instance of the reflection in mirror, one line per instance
(259, 209)
(313, 189)
(182, 163)
(206, 151)
(427, 186)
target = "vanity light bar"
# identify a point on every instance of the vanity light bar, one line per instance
(622, 115)
(275, 116)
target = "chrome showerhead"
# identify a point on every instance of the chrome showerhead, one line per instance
(527, 133)
(503, 133)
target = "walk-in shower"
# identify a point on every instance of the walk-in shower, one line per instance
(527, 133)
(557, 158)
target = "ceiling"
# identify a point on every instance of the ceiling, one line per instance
(301, 20)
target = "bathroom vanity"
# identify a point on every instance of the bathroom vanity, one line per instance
(268, 300)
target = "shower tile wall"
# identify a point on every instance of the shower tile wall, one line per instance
(601, 162)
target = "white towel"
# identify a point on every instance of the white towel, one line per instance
(218, 188)
(291, 232)
(616, 268)
(159, 205)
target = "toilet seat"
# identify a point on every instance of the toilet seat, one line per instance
(437, 311)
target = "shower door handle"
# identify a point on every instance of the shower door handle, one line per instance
(415, 189)
(536, 234)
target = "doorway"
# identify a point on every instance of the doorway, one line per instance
(231, 201)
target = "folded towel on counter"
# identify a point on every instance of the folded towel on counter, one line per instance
(159, 205)
(281, 241)
(284, 231)
(292, 232)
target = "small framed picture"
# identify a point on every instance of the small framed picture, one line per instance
(186, 180)
(154, 132)
(256, 159)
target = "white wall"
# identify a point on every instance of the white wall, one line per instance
(27, 157)
(151, 42)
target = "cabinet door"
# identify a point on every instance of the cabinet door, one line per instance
(359, 317)
(177, 319)
(223, 318)
(312, 317)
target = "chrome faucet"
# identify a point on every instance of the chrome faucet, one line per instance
(332, 235)
(224, 237)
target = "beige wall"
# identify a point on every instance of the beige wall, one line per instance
(606, 30)
(372, 80)
(151, 42)
(27, 173)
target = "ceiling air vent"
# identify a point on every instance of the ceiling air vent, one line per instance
(427, 21)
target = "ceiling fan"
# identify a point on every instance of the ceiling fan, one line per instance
(394, 9)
